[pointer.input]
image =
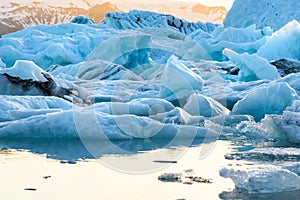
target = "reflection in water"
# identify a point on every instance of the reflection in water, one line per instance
(237, 194)
(75, 149)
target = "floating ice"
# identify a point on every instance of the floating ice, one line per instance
(270, 180)
(240, 40)
(274, 13)
(175, 116)
(156, 105)
(47, 45)
(283, 43)
(25, 70)
(272, 98)
(176, 77)
(252, 67)
(19, 107)
(292, 80)
(129, 49)
(93, 70)
(204, 106)
(291, 125)
(90, 123)
(229, 93)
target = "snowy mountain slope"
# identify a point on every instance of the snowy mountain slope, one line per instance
(17, 14)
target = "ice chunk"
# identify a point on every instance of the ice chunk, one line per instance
(240, 40)
(94, 70)
(228, 93)
(204, 106)
(167, 42)
(231, 120)
(175, 116)
(47, 45)
(291, 125)
(272, 98)
(26, 70)
(268, 129)
(88, 123)
(263, 180)
(122, 90)
(29, 79)
(129, 49)
(177, 77)
(120, 108)
(292, 80)
(18, 107)
(156, 105)
(252, 67)
(282, 44)
(295, 107)
(274, 13)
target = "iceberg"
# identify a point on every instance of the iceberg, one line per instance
(292, 80)
(49, 45)
(89, 123)
(272, 98)
(229, 93)
(156, 105)
(129, 49)
(240, 40)
(291, 125)
(199, 105)
(252, 67)
(282, 43)
(275, 13)
(93, 70)
(263, 180)
(19, 107)
(25, 70)
(26, 78)
(176, 77)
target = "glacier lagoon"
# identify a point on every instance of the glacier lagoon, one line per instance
(144, 83)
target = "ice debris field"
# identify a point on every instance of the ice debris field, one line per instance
(148, 75)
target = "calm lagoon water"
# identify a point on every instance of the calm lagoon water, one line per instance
(68, 169)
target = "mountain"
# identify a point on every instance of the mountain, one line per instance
(17, 14)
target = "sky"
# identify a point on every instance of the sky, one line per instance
(226, 3)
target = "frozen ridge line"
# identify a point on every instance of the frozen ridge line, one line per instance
(142, 19)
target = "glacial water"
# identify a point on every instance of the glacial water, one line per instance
(74, 169)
